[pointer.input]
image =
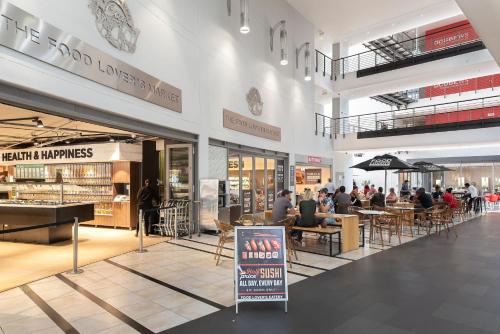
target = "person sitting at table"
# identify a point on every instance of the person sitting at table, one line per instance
(342, 200)
(282, 206)
(392, 197)
(450, 199)
(371, 192)
(422, 199)
(325, 205)
(356, 197)
(437, 194)
(378, 199)
(366, 190)
(307, 209)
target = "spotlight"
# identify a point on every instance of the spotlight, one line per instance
(111, 139)
(39, 123)
(67, 141)
(283, 41)
(307, 60)
(244, 21)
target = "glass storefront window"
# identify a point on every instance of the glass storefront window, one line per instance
(234, 179)
(270, 183)
(247, 183)
(496, 172)
(260, 185)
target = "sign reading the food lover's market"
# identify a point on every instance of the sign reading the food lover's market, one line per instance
(260, 264)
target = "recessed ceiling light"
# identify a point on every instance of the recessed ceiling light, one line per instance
(38, 122)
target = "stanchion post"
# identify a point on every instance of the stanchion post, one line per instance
(75, 270)
(141, 232)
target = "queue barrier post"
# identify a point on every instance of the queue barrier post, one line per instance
(141, 232)
(75, 270)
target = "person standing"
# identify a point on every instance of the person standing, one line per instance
(471, 194)
(146, 197)
(405, 189)
(331, 187)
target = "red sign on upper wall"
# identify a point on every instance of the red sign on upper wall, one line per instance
(449, 35)
(461, 86)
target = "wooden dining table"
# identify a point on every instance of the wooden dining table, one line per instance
(349, 227)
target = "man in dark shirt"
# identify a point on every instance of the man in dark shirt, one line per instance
(378, 199)
(423, 199)
(282, 206)
(342, 200)
(145, 198)
(437, 193)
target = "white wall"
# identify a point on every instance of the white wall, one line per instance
(195, 46)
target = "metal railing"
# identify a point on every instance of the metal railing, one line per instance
(452, 112)
(395, 51)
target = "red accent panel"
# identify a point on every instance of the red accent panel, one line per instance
(449, 35)
(463, 116)
(462, 86)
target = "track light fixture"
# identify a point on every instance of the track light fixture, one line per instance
(307, 60)
(244, 18)
(283, 41)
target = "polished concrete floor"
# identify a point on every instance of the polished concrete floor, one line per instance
(426, 285)
(22, 263)
(430, 285)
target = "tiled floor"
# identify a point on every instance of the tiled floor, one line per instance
(176, 282)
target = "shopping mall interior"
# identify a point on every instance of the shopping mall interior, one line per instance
(284, 166)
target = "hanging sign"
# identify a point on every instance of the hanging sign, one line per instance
(31, 36)
(260, 264)
(72, 154)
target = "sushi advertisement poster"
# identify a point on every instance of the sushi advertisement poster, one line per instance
(260, 264)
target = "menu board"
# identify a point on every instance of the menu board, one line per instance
(260, 264)
(312, 175)
(292, 175)
(270, 198)
(247, 201)
(280, 175)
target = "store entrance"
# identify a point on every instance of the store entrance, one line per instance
(254, 181)
(48, 161)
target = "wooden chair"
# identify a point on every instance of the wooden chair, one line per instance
(289, 223)
(443, 219)
(343, 208)
(424, 219)
(225, 231)
(245, 217)
(461, 210)
(390, 223)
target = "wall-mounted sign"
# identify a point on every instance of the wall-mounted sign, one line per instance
(450, 35)
(313, 160)
(240, 123)
(280, 175)
(72, 154)
(29, 35)
(254, 100)
(260, 264)
(115, 24)
(312, 175)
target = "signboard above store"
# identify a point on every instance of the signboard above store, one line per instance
(240, 123)
(313, 160)
(72, 154)
(31, 36)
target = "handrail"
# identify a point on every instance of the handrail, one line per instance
(407, 117)
(392, 52)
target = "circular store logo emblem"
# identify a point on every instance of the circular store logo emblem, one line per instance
(255, 104)
(114, 22)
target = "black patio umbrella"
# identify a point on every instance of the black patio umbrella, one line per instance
(385, 162)
(425, 167)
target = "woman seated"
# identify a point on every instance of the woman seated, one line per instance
(356, 197)
(450, 199)
(392, 197)
(307, 209)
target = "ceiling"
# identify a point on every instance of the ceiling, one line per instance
(356, 21)
(56, 131)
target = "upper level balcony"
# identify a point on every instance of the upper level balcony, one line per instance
(393, 52)
(459, 115)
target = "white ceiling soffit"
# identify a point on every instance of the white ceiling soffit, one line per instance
(357, 21)
(484, 16)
